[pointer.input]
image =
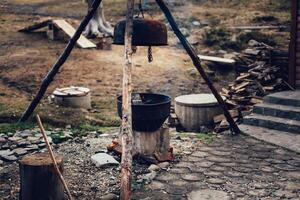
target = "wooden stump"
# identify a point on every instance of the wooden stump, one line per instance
(38, 178)
(150, 143)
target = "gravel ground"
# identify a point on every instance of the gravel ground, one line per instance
(85, 180)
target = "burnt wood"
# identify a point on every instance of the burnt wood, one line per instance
(197, 63)
(61, 60)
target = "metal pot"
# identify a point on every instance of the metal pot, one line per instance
(145, 33)
(149, 112)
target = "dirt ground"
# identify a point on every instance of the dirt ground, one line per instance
(26, 58)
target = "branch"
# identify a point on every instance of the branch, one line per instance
(126, 133)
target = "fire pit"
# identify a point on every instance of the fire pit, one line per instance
(149, 111)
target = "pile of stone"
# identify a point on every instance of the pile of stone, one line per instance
(15, 145)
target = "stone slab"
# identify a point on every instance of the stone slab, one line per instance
(280, 138)
(103, 159)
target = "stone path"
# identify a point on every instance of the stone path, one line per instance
(230, 168)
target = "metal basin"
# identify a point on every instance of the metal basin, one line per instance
(145, 33)
(149, 111)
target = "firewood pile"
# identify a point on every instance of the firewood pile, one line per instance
(258, 76)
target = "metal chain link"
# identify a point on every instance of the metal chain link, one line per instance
(150, 56)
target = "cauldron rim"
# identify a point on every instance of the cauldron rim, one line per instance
(168, 99)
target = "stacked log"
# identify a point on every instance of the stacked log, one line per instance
(259, 74)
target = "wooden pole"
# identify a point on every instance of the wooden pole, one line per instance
(61, 60)
(197, 63)
(53, 157)
(126, 132)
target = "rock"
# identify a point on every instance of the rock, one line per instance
(253, 43)
(193, 40)
(185, 32)
(9, 134)
(204, 129)
(222, 51)
(229, 56)
(20, 151)
(9, 158)
(25, 133)
(1, 162)
(6, 153)
(14, 146)
(4, 146)
(164, 165)
(23, 143)
(32, 147)
(153, 168)
(196, 23)
(34, 139)
(103, 159)
(15, 139)
(192, 72)
(68, 127)
(110, 196)
(208, 194)
(2, 140)
(150, 176)
(49, 139)
(42, 145)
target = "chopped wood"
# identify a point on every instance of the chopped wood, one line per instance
(219, 118)
(257, 77)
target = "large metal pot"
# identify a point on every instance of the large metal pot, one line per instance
(145, 33)
(149, 111)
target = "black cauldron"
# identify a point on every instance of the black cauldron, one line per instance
(149, 111)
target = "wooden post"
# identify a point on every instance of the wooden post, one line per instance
(197, 63)
(38, 179)
(53, 157)
(126, 131)
(61, 60)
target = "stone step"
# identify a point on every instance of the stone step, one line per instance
(280, 138)
(289, 98)
(281, 124)
(276, 110)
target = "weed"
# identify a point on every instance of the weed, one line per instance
(206, 137)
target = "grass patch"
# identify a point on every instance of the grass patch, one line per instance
(13, 127)
(98, 129)
(206, 137)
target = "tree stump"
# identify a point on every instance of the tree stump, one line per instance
(150, 143)
(38, 179)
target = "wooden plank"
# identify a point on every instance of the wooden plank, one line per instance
(293, 46)
(217, 59)
(35, 26)
(256, 27)
(82, 42)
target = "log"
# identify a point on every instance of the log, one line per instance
(150, 143)
(217, 59)
(61, 60)
(126, 131)
(38, 179)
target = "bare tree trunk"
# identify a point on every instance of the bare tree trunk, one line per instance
(98, 24)
(126, 133)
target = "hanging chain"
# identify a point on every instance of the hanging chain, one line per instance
(150, 56)
(141, 12)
